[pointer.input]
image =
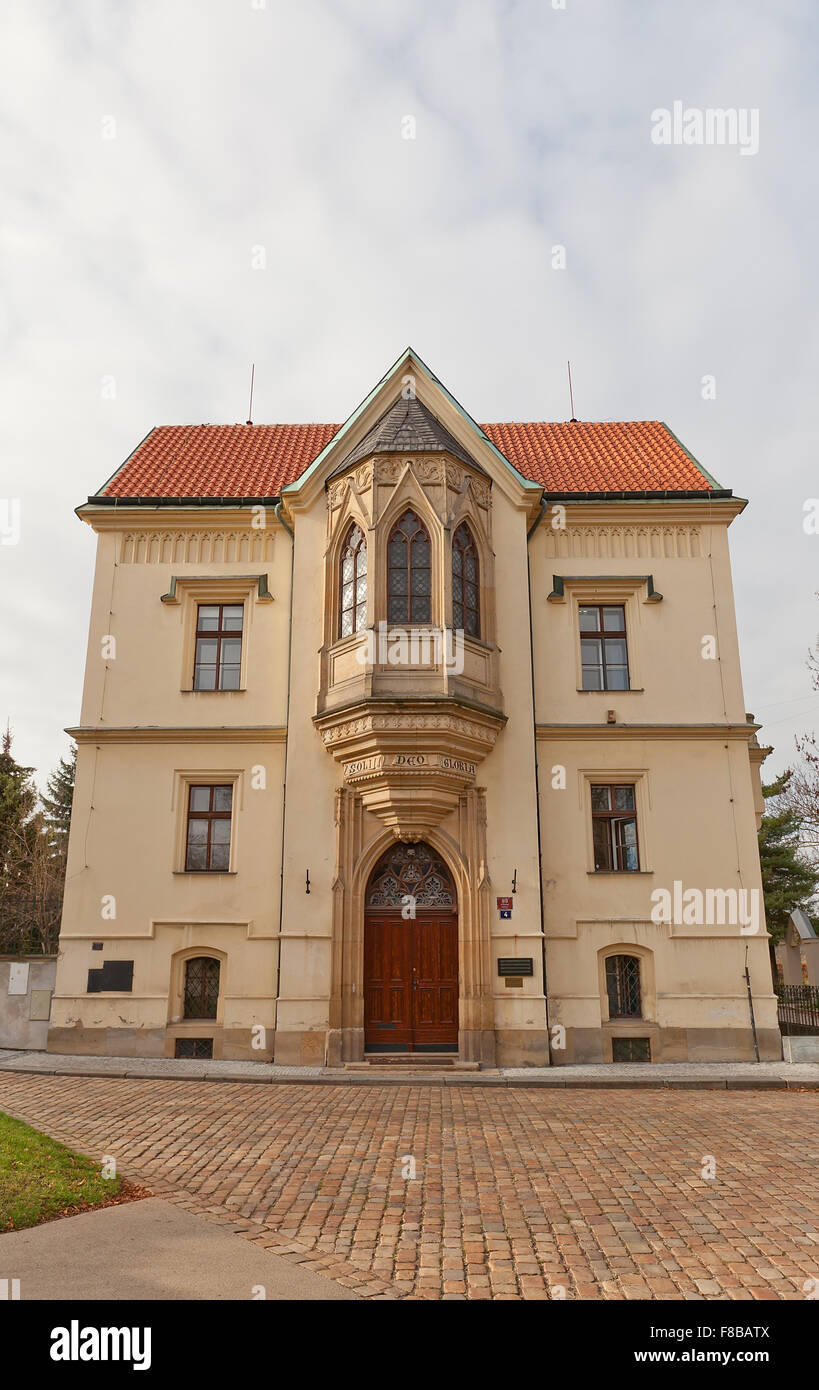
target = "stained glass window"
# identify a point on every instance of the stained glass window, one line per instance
(353, 583)
(466, 607)
(409, 572)
(410, 870)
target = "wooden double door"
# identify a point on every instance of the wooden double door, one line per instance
(411, 981)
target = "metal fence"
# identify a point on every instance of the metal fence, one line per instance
(798, 1009)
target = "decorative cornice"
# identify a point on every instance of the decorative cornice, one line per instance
(741, 732)
(260, 733)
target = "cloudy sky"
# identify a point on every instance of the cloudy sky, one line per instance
(150, 149)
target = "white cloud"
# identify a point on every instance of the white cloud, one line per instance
(282, 127)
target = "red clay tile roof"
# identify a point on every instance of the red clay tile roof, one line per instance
(243, 461)
(594, 456)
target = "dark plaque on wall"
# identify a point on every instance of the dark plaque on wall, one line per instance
(516, 965)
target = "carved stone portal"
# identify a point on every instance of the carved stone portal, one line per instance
(462, 849)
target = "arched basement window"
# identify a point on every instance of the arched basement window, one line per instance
(353, 589)
(409, 574)
(466, 606)
(623, 986)
(201, 987)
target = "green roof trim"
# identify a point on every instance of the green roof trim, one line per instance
(409, 355)
(119, 469)
(689, 455)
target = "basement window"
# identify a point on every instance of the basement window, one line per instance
(193, 1047)
(631, 1050)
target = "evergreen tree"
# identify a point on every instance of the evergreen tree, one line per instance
(18, 798)
(787, 880)
(31, 873)
(57, 803)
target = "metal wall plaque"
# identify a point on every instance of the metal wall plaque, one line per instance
(516, 965)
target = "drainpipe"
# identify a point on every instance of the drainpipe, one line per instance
(543, 510)
(751, 1003)
(277, 512)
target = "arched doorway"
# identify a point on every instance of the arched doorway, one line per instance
(410, 953)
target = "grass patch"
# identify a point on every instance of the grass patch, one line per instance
(40, 1179)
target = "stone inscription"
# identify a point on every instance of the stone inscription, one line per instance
(383, 762)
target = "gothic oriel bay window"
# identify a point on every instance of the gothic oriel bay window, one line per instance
(353, 588)
(409, 572)
(201, 987)
(466, 610)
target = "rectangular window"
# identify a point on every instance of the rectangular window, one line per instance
(630, 1050)
(208, 838)
(218, 661)
(193, 1047)
(614, 828)
(603, 648)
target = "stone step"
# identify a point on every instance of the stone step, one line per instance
(413, 1061)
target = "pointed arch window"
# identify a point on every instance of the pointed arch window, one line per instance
(353, 588)
(466, 604)
(409, 572)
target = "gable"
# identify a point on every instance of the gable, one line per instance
(256, 462)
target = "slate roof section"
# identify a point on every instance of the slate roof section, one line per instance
(407, 427)
(257, 461)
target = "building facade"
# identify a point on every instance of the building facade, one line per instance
(412, 734)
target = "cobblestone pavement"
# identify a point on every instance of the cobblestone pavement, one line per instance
(518, 1193)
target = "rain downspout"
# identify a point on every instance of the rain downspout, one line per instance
(277, 512)
(544, 507)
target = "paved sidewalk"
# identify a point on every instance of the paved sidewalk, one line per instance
(154, 1250)
(431, 1191)
(689, 1075)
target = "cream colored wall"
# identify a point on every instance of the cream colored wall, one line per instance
(143, 683)
(695, 793)
(127, 830)
(508, 775)
(679, 684)
(312, 776)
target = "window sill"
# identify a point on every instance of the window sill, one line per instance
(617, 873)
(186, 690)
(205, 873)
(632, 690)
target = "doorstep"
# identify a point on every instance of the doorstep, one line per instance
(401, 1062)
